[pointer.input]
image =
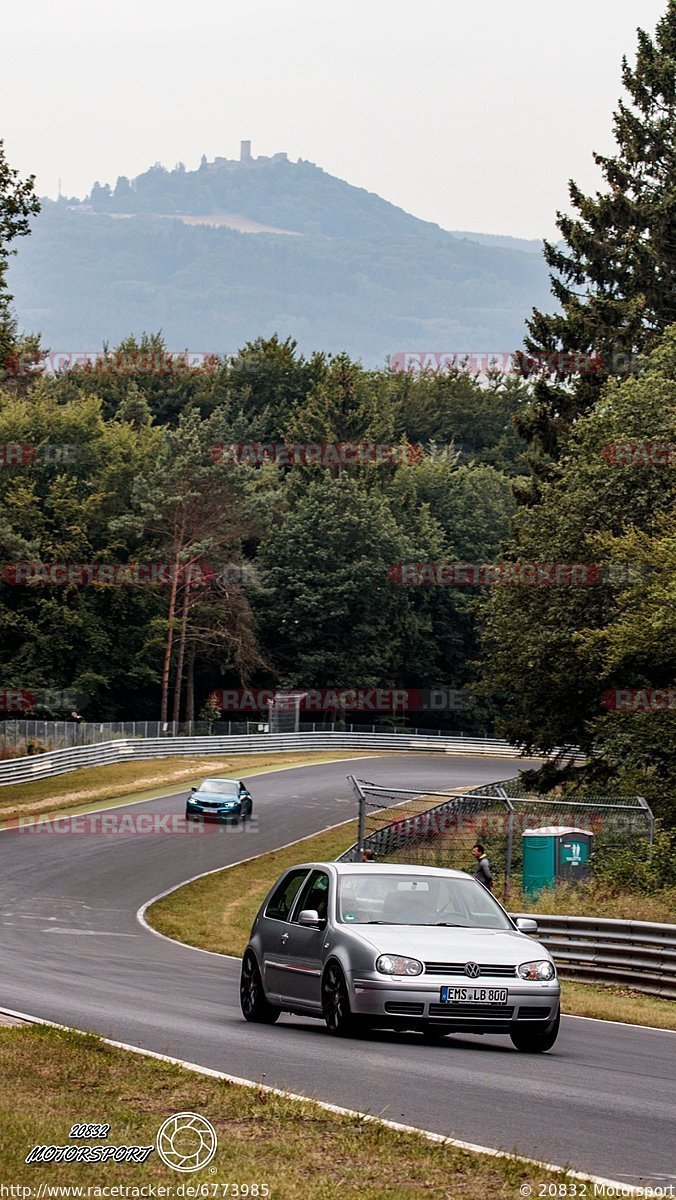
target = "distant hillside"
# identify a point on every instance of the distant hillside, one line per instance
(528, 245)
(360, 275)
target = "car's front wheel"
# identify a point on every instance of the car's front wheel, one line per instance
(530, 1041)
(252, 999)
(340, 1020)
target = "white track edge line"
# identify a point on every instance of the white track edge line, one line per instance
(427, 1134)
(141, 913)
(625, 1024)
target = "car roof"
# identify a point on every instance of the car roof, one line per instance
(392, 868)
(218, 779)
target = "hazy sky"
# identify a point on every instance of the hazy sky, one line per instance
(470, 114)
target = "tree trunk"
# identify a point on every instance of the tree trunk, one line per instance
(190, 689)
(178, 686)
(166, 666)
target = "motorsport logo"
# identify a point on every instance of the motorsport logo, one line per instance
(184, 1142)
(89, 1153)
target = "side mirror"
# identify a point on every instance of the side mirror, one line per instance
(193, 789)
(309, 916)
(526, 925)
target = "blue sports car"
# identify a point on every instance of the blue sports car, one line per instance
(219, 800)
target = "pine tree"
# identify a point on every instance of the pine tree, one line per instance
(18, 202)
(615, 277)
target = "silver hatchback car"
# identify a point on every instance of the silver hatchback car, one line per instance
(392, 946)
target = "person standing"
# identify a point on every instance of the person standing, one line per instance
(483, 867)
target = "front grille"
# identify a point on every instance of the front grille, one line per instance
(495, 970)
(533, 1012)
(499, 1012)
(404, 1008)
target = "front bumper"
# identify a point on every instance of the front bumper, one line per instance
(213, 814)
(410, 1003)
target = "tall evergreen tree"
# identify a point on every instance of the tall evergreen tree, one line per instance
(18, 203)
(615, 276)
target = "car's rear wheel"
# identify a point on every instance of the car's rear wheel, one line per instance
(252, 999)
(530, 1041)
(340, 1020)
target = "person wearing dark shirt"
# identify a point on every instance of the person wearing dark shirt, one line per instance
(483, 867)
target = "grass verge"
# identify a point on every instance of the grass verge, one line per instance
(215, 913)
(610, 1003)
(598, 899)
(295, 1148)
(92, 786)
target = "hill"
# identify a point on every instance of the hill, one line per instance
(343, 269)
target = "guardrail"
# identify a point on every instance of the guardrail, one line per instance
(639, 954)
(58, 762)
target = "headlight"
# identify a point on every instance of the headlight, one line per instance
(543, 969)
(393, 964)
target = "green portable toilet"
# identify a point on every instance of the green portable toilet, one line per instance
(554, 852)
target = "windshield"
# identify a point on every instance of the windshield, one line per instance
(417, 900)
(222, 787)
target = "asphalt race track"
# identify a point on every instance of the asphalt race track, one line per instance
(72, 950)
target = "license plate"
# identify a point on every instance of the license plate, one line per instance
(473, 995)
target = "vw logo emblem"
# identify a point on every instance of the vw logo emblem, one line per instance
(472, 970)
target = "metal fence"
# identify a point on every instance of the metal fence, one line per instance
(439, 829)
(639, 954)
(33, 736)
(57, 762)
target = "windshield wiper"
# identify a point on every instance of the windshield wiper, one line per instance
(449, 924)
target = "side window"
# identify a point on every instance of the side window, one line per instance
(315, 894)
(281, 901)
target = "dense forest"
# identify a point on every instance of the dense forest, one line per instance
(284, 517)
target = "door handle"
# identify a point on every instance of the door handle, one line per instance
(284, 938)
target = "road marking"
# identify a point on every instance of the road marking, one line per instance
(91, 932)
(141, 914)
(626, 1024)
(427, 1134)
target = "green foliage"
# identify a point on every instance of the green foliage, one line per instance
(552, 653)
(614, 277)
(18, 203)
(640, 867)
